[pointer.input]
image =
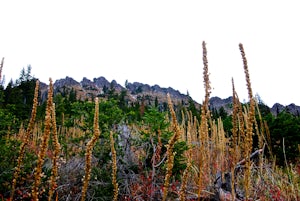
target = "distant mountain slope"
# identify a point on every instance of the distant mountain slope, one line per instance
(86, 89)
(217, 103)
(291, 108)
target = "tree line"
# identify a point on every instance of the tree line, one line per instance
(16, 100)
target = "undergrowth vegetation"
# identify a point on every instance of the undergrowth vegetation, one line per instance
(106, 150)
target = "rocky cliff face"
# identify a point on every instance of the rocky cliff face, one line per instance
(140, 88)
(100, 82)
(291, 108)
(68, 81)
(217, 103)
(87, 89)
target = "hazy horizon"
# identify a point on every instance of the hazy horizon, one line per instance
(157, 42)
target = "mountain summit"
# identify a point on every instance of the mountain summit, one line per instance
(98, 87)
(87, 89)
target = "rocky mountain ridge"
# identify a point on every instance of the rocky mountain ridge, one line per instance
(217, 103)
(87, 89)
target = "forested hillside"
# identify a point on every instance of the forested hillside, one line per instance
(58, 145)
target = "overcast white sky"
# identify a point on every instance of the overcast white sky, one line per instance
(157, 42)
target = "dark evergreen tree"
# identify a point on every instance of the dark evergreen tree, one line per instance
(156, 102)
(222, 113)
(122, 100)
(105, 89)
(20, 95)
(192, 107)
(1, 96)
(285, 126)
(72, 96)
(60, 108)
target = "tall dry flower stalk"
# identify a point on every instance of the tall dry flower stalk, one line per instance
(260, 130)
(114, 167)
(54, 172)
(220, 143)
(234, 149)
(170, 148)
(25, 140)
(214, 148)
(268, 136)
(182, 126)
(1, 67)
(204, 132)
(183, 187)
(184, 181)
(89, 150)
(194, 134)
(21, 133)
(235, 124)
(241, 126)
(206, 78)
(44, 144)
(249, 125)
(217, 151)
(37, 131)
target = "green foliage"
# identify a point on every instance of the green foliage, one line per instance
(286, 126)
(25, 75)
(8, 156)
(72, 96)
(9, 153)
(226, 119)
(21, 96)
(1, 96)
(8, 122)
(157, 124)
(109, 114)
(41, 111)
(156, 102)
(102, 190)
(122, 101)
(227, 124)
(81, 115)
(15, 108)
(191, 107)
(155, 120)
(59, 104)
(222, 113)
(18, 97)
(180, 159)
(264, 110)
